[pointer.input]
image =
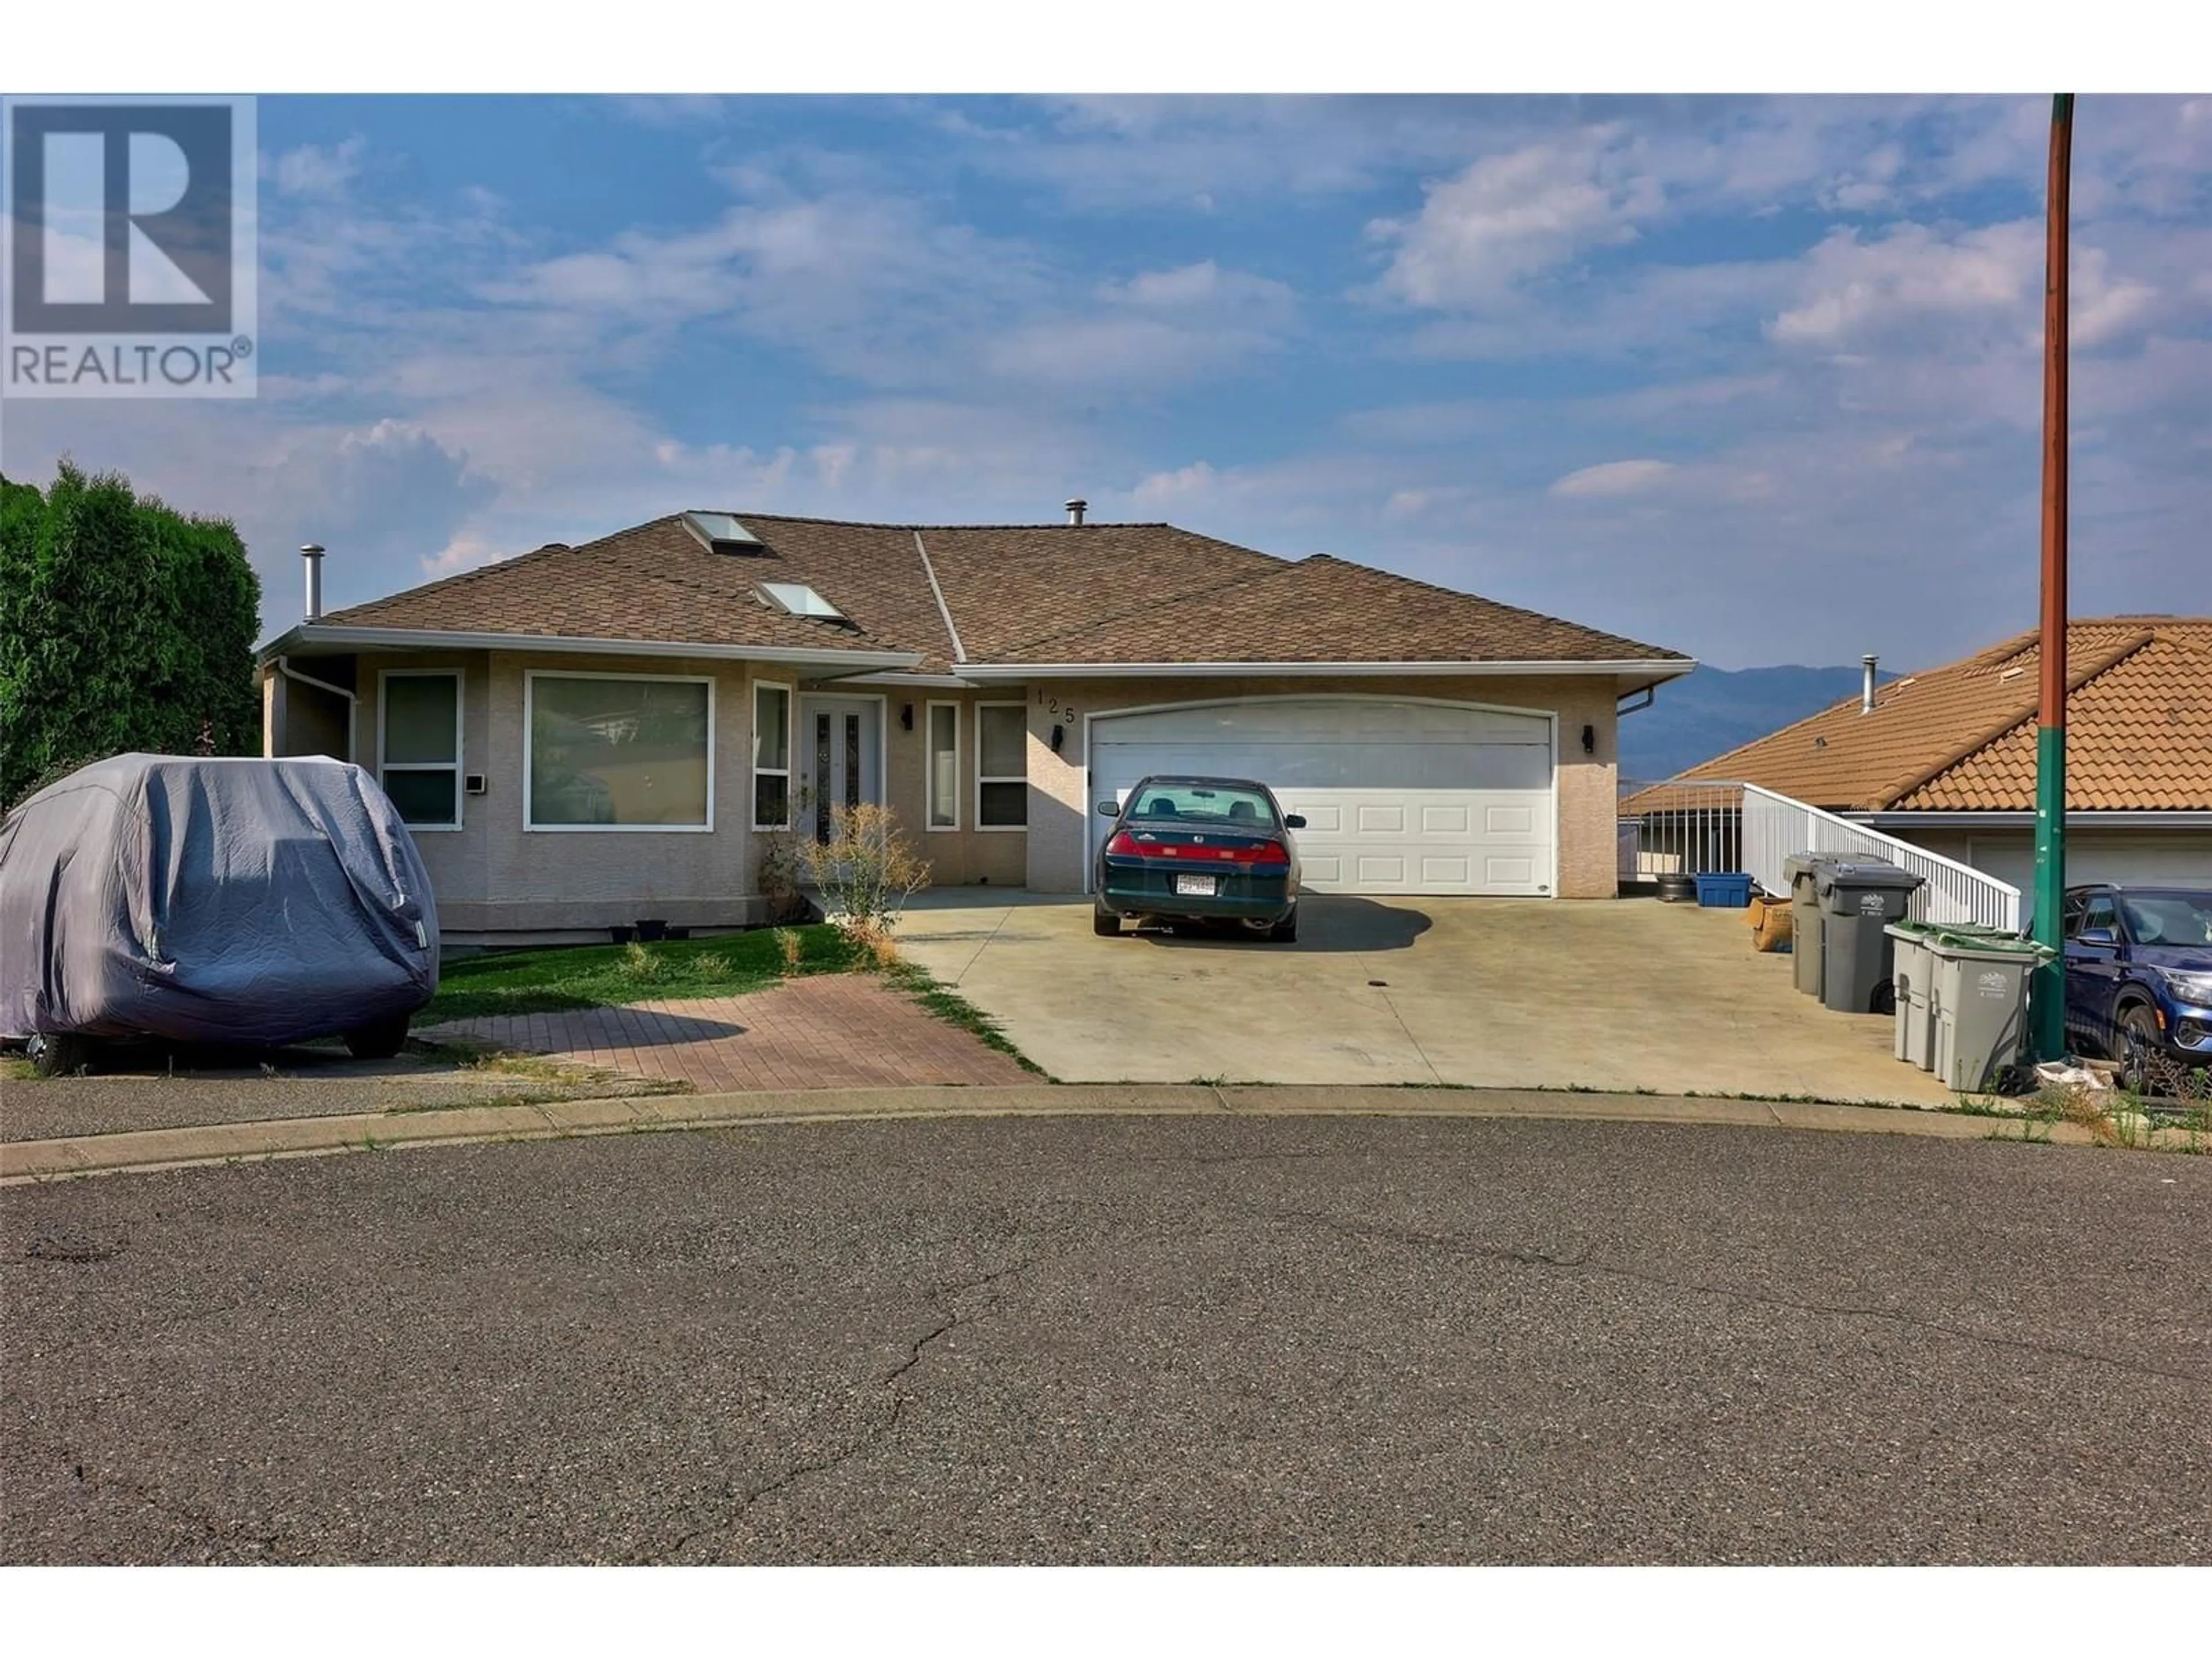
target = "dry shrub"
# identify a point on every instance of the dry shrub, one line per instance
(792, 947)
(866, 872)
(781, 874)
(642, 965)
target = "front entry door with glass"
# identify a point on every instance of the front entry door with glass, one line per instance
(840, 757)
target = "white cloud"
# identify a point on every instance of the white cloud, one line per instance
(1853, 290)
(312, 170)
(1634, 477)
(1157, 328)
(1509, 217)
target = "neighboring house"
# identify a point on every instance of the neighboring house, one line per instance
(584, 736)
(1945, 759)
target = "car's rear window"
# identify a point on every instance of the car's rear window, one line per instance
(1217, 805)
(2168, 918)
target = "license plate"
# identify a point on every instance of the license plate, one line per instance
(1195, 886)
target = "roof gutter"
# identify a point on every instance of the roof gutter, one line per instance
(1666, 668)
(435, 639)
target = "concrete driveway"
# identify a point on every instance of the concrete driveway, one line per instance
(1484, 992)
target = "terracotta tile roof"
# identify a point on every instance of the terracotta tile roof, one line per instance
(1071, 593)
(1327, 609)
(1962, 737)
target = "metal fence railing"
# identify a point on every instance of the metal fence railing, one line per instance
(1701, 827)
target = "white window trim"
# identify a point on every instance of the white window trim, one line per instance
(982, 828)
(754, 770)
(530, 678)
(460, 720)
(929, 768)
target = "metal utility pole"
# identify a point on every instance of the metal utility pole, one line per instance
(2047, 996)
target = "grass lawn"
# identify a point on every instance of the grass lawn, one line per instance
(593, 975)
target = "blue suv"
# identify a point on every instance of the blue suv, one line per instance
(2139, 981)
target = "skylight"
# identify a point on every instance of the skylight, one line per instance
(799, 600)
(721, 531)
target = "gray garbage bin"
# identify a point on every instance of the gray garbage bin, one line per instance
(1805, 920)
(1979, 1004)
(1858, 900)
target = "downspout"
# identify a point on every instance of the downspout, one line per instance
(283, 666)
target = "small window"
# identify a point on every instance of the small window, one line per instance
(1002, 789)
(2069, 918)
(945, 766)
(771, 756)
(721, 532)
(799, 600)
(619, 751)
(2099, 913)
(419, 735)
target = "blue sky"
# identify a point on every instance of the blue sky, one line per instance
(1656, 365)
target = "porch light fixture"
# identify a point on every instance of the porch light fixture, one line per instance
(905, 717)
(1058, 737)
(1589, 739)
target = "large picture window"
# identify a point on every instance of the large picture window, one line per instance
(1002, 745)
(945, 766)
(419, 745)
(614, 751)
(771, 755)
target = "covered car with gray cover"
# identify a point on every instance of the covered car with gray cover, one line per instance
(235, 901)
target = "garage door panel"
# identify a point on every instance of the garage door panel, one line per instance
(1398, 798)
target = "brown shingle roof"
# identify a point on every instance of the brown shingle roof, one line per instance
(1037, 594)
(654, 582)
(1962, 737)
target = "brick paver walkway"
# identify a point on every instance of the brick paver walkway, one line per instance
(825, 1031)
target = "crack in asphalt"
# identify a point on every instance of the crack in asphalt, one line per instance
(1539, 1258)
(870, 1437)
(228, 1533)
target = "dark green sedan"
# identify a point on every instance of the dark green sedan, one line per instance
(1199, 850)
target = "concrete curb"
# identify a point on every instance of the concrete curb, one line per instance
(25, 1161)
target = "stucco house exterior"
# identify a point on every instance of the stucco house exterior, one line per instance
(584, 736)
(1945, 759)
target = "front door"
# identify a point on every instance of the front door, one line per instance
(840, 758)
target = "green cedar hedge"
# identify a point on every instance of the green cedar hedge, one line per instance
(123, 625)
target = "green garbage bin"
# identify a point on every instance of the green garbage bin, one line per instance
(1978, 1003)
(1914, 1038)
(1913, 974)
(1858, 900)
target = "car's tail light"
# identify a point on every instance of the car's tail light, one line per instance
(1129, 844)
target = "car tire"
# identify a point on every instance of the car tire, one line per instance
(2140, 1043)
(1104, 923)
(380, 1041)
(1284, 932)
(61, 1053)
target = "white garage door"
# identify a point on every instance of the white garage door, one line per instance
(1398, 797)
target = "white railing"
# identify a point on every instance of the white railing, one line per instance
(1705, 827)
(1775, 826)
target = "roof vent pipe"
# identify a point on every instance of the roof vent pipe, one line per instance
(1076, 509)
(311, 556)
(1866, 688)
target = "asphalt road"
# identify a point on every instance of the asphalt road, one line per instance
(1119, 1341)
